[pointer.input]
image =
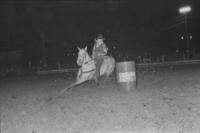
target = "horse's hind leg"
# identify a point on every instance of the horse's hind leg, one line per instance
(91, 81)
(113, 77)
(96, 80)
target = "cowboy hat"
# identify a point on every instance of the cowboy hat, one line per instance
(100, 36)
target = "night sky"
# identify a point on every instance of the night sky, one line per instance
(54, 29)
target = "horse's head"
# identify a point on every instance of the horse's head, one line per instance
(82, 56)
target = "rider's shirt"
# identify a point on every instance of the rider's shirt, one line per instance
(100, 50)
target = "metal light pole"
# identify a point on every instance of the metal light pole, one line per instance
(185, 10)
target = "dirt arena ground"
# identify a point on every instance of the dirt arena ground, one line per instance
(167, 100)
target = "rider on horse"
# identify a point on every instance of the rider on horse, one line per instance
(99, 52)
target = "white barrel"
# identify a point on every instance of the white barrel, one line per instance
(126, 75)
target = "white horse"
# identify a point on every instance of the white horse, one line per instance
(87, 68)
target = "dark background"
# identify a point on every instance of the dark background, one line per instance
(51, 31)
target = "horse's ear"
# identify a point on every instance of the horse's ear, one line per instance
(86, 48)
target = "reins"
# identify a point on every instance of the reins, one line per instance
(88, 61)
(87, 71)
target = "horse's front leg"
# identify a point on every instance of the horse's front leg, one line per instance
(68, 88)
(80, 80)
(78, 75)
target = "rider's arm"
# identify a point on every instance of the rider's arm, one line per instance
(105, 49)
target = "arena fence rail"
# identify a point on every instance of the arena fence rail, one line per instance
(141, 65)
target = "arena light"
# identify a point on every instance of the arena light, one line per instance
(185, 9)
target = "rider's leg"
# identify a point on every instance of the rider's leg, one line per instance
(98, 67)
